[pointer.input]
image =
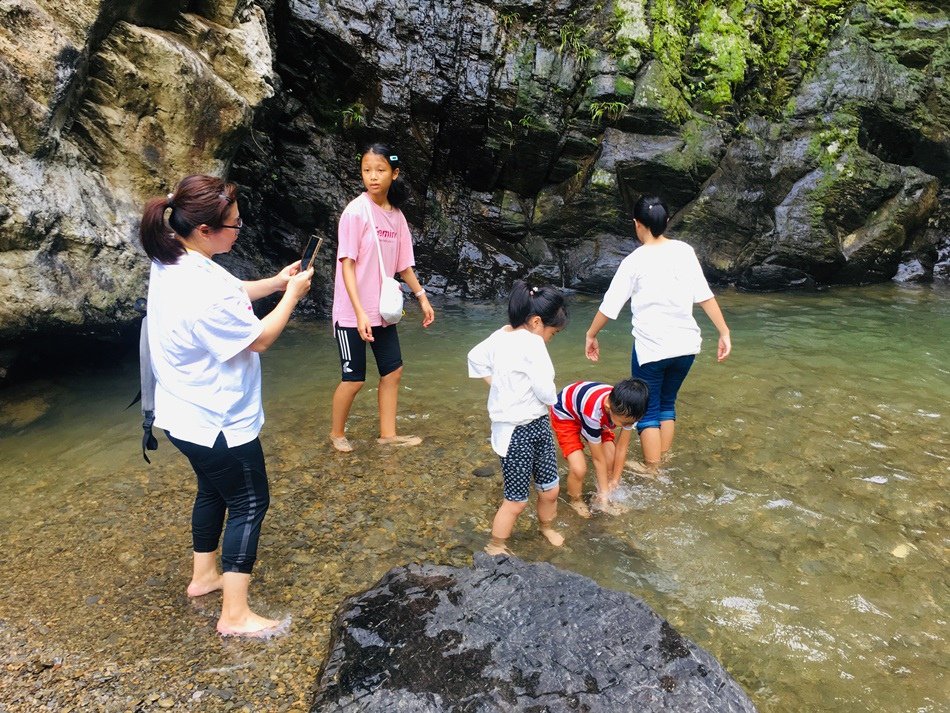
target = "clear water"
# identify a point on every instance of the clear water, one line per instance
(799, 532)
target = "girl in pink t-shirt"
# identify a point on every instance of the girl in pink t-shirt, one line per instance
(356, 317)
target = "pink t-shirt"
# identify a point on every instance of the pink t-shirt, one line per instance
(356, 242)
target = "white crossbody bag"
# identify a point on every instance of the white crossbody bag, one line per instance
(390, 294)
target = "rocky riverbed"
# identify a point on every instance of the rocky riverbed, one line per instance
(95, 616)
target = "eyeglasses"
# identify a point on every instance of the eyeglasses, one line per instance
(240, 224)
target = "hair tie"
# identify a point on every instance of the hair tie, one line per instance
(394, 157)
(533, 291)
(170, 196)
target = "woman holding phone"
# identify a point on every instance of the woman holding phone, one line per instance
(205, 340)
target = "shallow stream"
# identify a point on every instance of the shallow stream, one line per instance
(799, 533)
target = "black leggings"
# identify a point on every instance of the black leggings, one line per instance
(232, 479)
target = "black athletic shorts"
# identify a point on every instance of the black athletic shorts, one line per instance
(352, 351)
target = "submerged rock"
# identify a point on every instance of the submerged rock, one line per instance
(508, 635)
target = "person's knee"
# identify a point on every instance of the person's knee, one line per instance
(263, 504)
(394, 376)
(516, 506)
(577, 469)
(550, 495)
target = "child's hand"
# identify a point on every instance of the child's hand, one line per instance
(364, 327)
(592, 348)
(428, 314)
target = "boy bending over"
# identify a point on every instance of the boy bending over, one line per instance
(593, 410)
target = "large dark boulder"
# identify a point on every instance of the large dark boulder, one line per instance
(506, 635)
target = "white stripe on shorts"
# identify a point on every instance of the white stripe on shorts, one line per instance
(344, 345)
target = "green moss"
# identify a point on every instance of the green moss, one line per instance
(657, 87)
(628, 32)
(830, 144)
(624, 87)
(895, 12)
(672, 21)
(723, 50)
(792, 36)
(603, 179)
(727, 55)
(693, 153)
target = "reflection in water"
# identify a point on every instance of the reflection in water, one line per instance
(798, 532)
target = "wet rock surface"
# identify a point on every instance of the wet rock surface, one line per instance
(509, 635)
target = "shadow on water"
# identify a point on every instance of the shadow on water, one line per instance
(798, 532)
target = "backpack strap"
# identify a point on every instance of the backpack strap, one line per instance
(147, 385)
(147, 377)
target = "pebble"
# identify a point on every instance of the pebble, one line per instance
(484, 471)
(901, 551)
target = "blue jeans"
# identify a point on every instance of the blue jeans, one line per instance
(664, 379)
(232, 480)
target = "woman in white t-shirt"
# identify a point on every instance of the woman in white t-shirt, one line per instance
(663, 280)
(204, 341)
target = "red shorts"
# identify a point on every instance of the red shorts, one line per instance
(568, 434)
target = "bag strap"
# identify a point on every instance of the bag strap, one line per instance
(379, 250)
(147, 376)
(147, 385)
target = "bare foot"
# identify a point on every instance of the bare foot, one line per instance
(603, 505)
(399, 441)
(580, 507)
(552, 536)
(494, 548)
(619, 508)
(253, 626)
(645, 470)
(341, 444)
(199, 588)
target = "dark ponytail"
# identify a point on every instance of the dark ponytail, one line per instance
(399, 191)
(653, 213)
(545, 302)
(198, 200)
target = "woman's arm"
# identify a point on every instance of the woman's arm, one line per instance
(428, 314)
(269, 285)
(711, 308)
(591, 347)
(274, 323)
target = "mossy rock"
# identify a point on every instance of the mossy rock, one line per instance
(657, 105)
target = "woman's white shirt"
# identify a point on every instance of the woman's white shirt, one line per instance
(522, 381)
(200, 323)
(662, 281)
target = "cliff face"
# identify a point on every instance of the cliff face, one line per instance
(101, 106)
(797, 145)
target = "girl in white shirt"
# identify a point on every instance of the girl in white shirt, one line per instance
(204, 341)
(515, 362)
(662, 279)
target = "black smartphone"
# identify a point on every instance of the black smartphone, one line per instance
(310, 252)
